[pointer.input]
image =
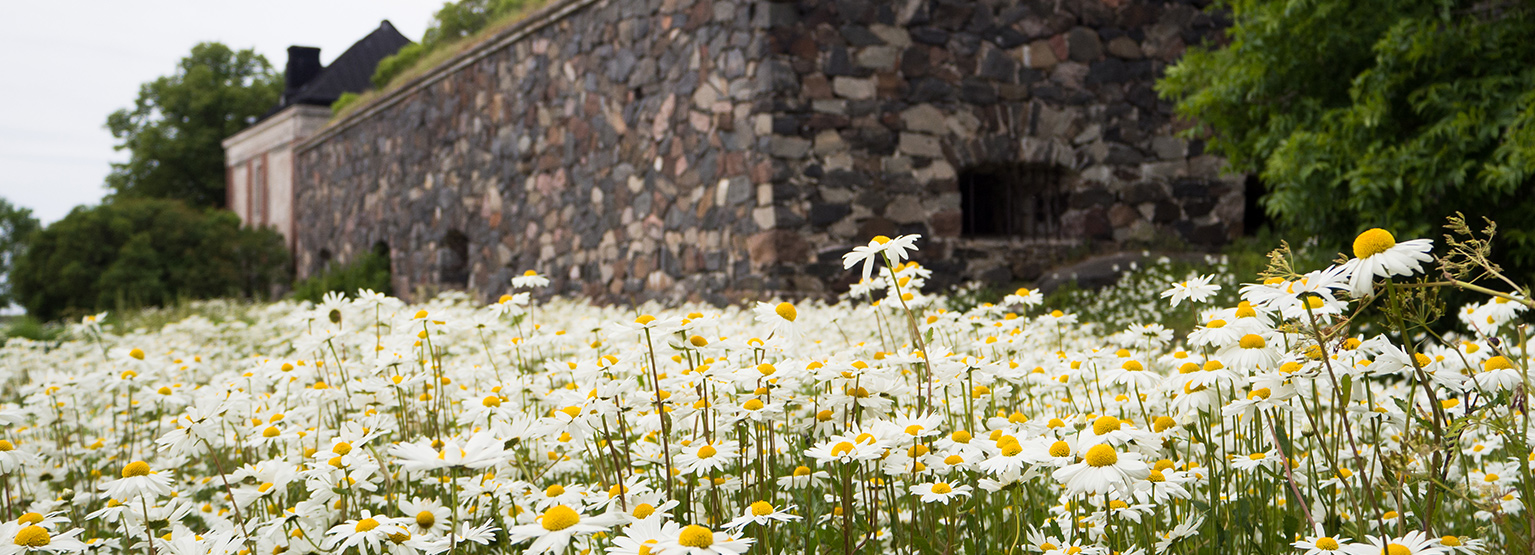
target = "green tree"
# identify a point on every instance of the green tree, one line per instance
(174, 130)
(138, 252)
(16, 227)
(1374, 113)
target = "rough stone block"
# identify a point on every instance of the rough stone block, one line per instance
(917, 144)
(854, 88)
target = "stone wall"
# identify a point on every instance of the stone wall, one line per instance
(606, 144)
(880, 107)
(717, 150)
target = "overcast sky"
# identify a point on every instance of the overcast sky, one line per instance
(67, 65)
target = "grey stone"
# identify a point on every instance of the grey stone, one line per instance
(924, 118)
(929, 35)
(905, 209)
(917, 144)
(853, 88)
(1169, 148)
(878, 57)
(822, 215)
(1082, 45)
(788, 147)
(861, 36)
(1125, 47)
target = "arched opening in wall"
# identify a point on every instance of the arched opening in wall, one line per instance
(322, 261)
(453, 260)
(1253, 215)
(1012, 200)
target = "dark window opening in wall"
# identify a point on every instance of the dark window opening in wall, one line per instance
(323, 261)
(1254, 217)
(1013, 200)
(453, 260)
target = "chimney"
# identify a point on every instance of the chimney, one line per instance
(303, 65)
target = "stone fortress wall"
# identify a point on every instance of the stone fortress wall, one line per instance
(715, 150)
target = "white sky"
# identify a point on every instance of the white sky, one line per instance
(67, 65)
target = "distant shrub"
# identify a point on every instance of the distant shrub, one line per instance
(346, 99)
(395, 64)
(133, 252)
(368, 271)
(27, 327)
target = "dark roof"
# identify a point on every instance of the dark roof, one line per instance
(352, 71)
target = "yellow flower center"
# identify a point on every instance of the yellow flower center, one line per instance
(1162, 423)
(942, 487)
(1450, 541)
(425, 519)
(1132, 366)
(1216, 324)
(6, 445)
(341, 448)
(136, 468)
(643, 510)
(1060, 449)
(135, 353)
(881, 239)
(707, 451)
(1260, 393)
(801, 471)
(1105, 424)
(491, 401)
(953, 460)
(1371, 243)
(1391, 548)
(560, 517)
(762, 508)
(554, 491)
(961, 436)
(1101, 456)
(752, 404)
(1497, 363)
(1156, 476)
(399, 537)
(644, 319)
(1326, 543)
(32, 536)
(30, 518)
(1253, 341)
(786, 311)
(695, 536)
(366, 524)
(271, 431)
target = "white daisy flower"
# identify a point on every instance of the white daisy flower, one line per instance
(1377, 254)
